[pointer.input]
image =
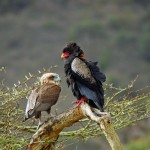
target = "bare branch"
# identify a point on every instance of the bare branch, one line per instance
(48, 134)
(105, 123)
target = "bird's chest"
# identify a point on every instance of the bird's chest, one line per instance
(79, 67)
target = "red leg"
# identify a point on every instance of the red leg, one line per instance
(80, 101)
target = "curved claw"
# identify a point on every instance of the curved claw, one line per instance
(80, 101)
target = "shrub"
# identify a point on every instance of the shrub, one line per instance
(89, 28)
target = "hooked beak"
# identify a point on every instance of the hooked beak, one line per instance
(64, 55)
(57, 79)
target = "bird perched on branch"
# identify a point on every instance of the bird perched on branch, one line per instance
(84, 77)
(43, 97)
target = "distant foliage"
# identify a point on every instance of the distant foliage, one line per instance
(13, 5)
(143, 144)
(144, 44)
(88, 28)
(124, 38)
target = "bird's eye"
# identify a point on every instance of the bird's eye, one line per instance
(51, 77)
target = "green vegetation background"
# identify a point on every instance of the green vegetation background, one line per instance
(115, 33)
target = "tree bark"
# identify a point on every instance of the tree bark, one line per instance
(47, 135)
(105, 123)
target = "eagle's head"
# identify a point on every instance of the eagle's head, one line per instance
(71, 51)
(49, 78)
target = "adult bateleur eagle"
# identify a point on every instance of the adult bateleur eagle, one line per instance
(84, 77)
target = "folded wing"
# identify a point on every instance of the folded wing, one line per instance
(97, 74)
(88, 81)
(41, 99)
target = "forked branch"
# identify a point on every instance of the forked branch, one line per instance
(46, 137)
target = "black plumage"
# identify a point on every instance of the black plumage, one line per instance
(84, 77)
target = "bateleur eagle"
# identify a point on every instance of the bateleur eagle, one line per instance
(84, 77)
(43, 97)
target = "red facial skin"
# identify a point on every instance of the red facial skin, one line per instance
(65, 55)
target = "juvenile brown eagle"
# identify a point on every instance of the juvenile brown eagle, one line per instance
(43, 97)
(84, 77)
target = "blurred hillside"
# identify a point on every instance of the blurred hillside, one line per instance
(114, 33)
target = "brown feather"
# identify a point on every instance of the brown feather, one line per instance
(42, 98)
(48, 93)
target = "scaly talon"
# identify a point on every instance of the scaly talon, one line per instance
(80, 101)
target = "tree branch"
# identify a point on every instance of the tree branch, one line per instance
(48, 133)
(46, 137)
(105, 123)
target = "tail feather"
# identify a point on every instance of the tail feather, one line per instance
(28, 115)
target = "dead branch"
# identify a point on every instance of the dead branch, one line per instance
(105, 123)
(46, 137)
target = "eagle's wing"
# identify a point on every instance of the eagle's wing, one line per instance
(91, 95)
(41, 99)
(31, 103)
(88, 71)
(88, 80)
(49, 94)
(81, 69)
(98, 75)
